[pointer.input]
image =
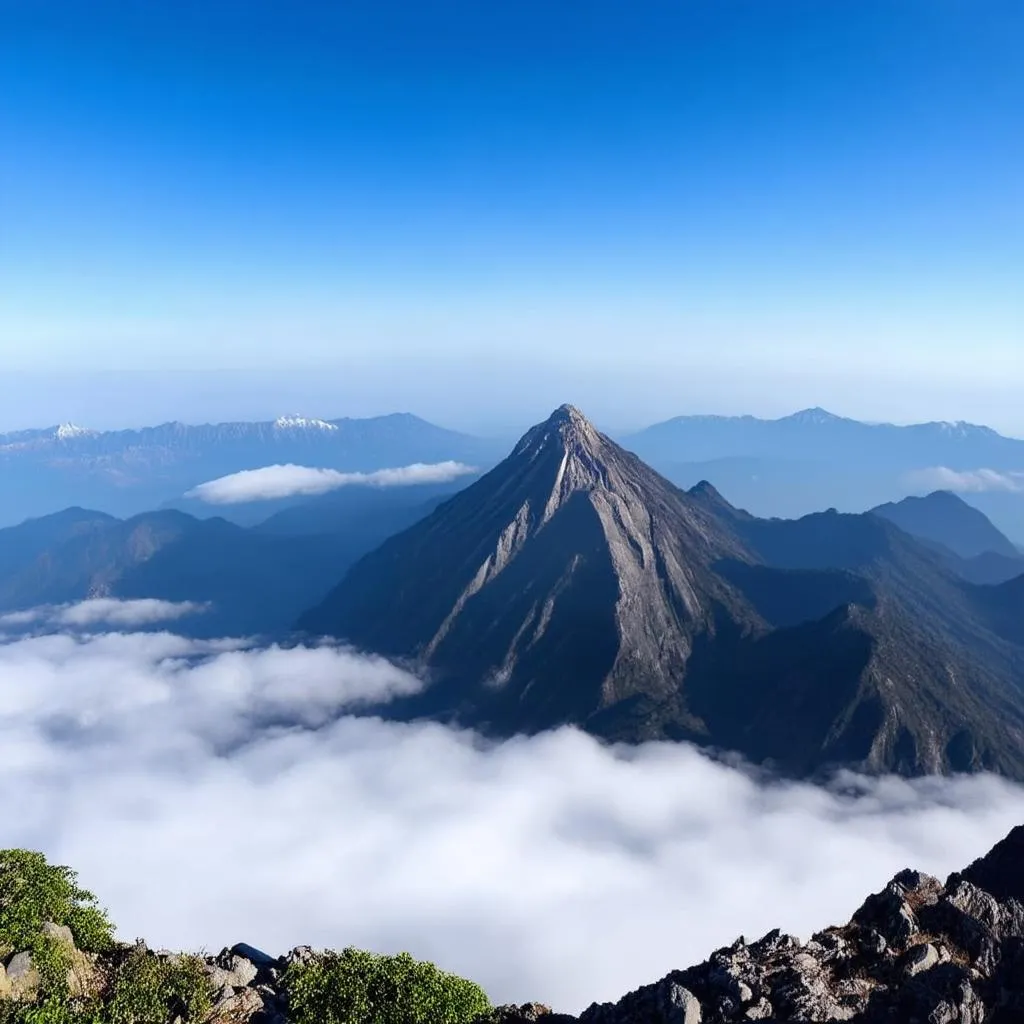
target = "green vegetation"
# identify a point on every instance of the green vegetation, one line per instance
(356, 987)
(133, 987)
(99, 981)
(32, 891)
(145, 988)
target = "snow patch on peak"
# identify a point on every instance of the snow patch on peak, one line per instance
(302, 423)
(961, 428)
(66, 431)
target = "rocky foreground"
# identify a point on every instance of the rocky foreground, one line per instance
(919, 950)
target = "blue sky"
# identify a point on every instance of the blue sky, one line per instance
(475, 210)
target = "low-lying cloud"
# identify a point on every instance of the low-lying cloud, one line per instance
(214, 793)
(969, 481)
(290, 480)
(101, 611)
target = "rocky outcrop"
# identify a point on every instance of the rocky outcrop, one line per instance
(919, 950)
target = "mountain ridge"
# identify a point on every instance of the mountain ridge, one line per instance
(585, 588)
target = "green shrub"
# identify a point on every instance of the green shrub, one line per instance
(33, 891)
(356, 987)
(145, 989)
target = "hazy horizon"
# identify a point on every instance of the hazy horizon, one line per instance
(705, 207)
(113, 400)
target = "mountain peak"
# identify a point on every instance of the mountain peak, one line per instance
(565, 431)
(813, 417)
(567, 413)
(569, 422)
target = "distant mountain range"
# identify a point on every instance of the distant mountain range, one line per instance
(574, 584)
(813, 460)
(786, 467)
(125, 472)
(252, 583)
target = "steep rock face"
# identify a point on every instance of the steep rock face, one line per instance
(573, 584)
(571, 559)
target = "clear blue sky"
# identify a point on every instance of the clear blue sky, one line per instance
(475, 210)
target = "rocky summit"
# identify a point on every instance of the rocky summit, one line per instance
(572, 584)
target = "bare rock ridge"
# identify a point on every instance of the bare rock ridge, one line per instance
(571, 561)
(572, 584)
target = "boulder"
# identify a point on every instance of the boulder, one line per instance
(231, 970)
(60, 933)
(22, 977)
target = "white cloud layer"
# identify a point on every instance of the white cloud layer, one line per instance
(101, 611)
(970, 481)
(210, 794)
(290, 480)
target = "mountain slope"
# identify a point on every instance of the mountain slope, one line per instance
(946, 519)
(571, 559)
(365, 512)
(572, 583)
(253, 583)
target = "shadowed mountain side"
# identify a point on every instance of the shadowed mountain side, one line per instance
(253, 583)
(573, 584)
(944, 518)
(571, 556)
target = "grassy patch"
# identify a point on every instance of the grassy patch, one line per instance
(356, 987)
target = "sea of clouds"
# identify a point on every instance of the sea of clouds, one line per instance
(211, 793)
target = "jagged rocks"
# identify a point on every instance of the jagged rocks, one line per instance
(528, 1013)
(667, 1002)
(245, 982)
(917, 951)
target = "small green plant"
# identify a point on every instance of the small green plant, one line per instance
(145, 989)
(356, 987)
(33, 891)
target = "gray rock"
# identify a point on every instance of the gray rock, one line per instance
(300, 955)
(683, 1006)
(920, 958)
(60, 933)
(22, 977)
(231, 969)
